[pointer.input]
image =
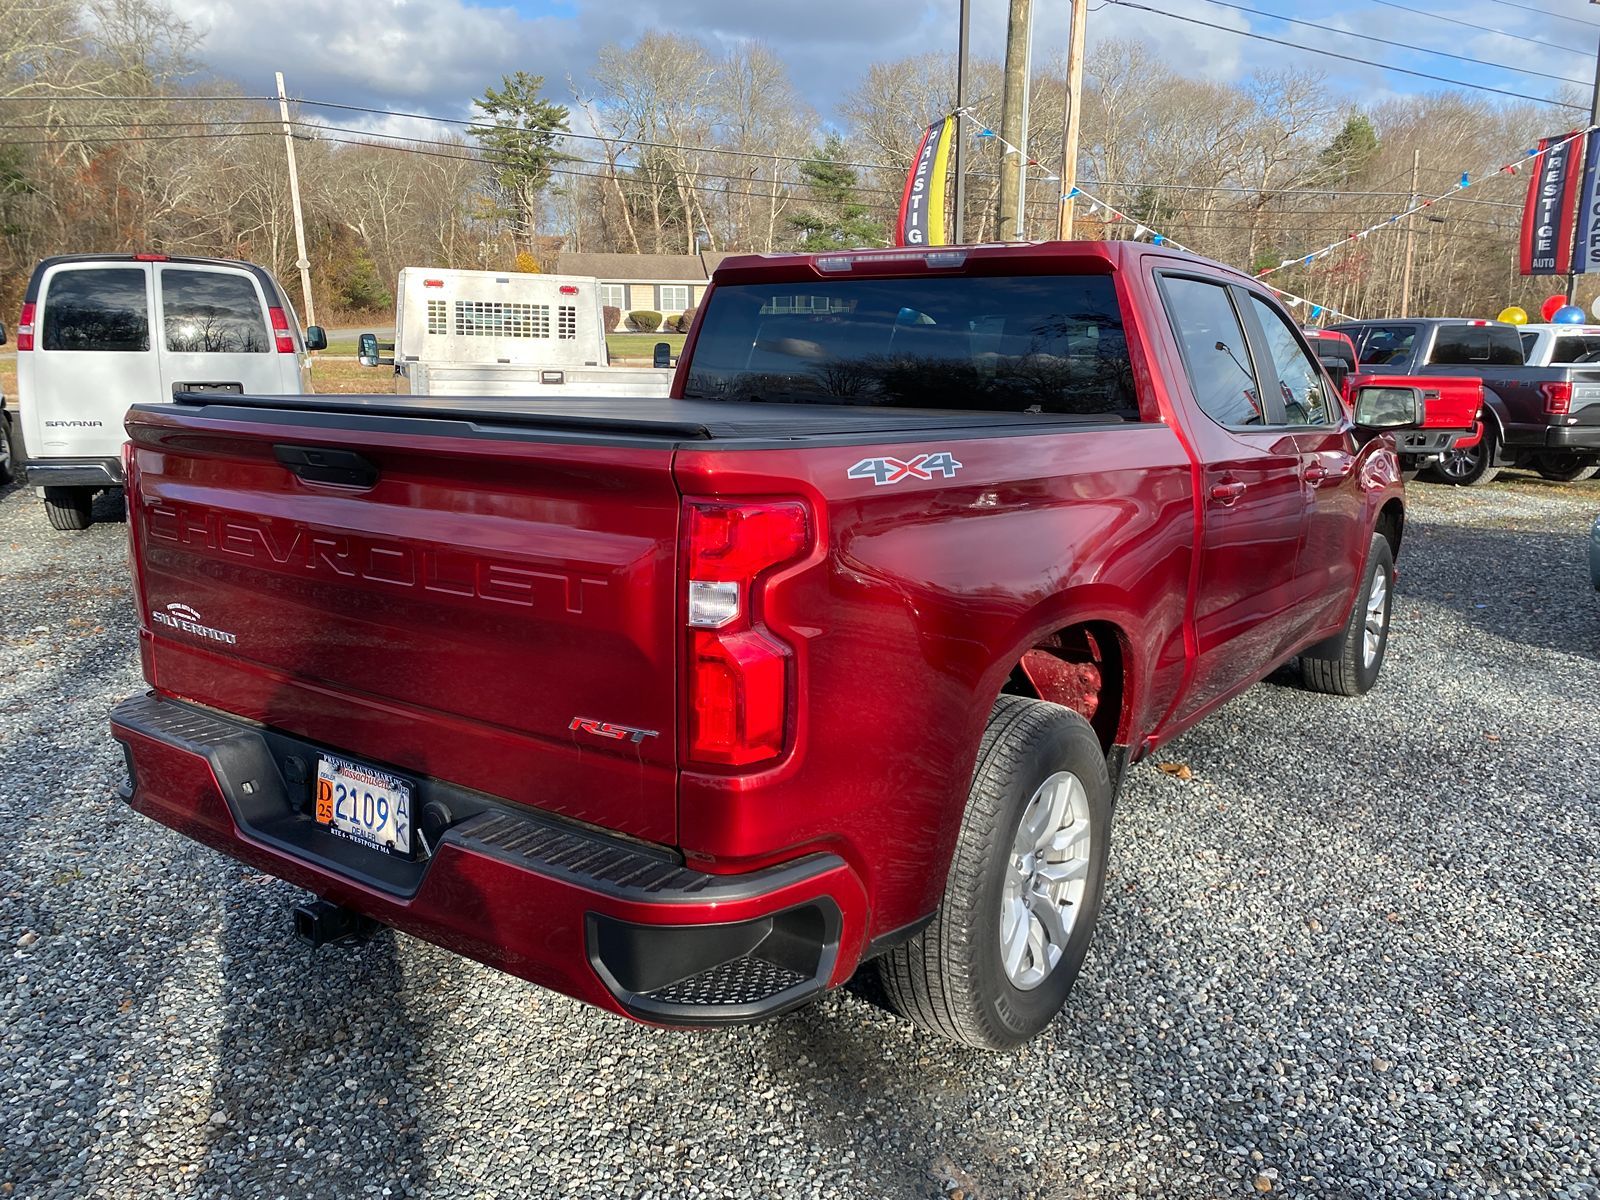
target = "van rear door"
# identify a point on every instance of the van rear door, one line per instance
(92, 358)
(215, 333)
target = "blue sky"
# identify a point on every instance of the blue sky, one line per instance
(434, 55)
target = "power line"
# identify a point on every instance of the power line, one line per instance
(1367, 37)
(152, 137)
(1261, 37)
(36, 97)
(1422, 12)
(1545, 12)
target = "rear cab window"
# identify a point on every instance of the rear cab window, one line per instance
(96, 309)
(1049, 344)
(1575, 348)
(1476, 345)
(212, 312)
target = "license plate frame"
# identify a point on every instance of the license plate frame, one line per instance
(348, 795)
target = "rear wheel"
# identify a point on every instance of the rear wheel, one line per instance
(1471, 466)
(1348, 663)
(69, 508)
(1566, 468)
(7, 455)
(13, 440)
(1024, 887)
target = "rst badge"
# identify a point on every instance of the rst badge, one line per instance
(606, 729)
(892, 470)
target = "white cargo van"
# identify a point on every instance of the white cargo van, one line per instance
(494, 333)
(100, 332)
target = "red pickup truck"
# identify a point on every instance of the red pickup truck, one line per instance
(689, 708)
(1452, 408)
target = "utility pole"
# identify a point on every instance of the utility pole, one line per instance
(1070, 115)
(302, 261)
(962, 74)
(1012, 117)
(1411, 237)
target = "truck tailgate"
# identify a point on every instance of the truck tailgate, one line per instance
(434, 596)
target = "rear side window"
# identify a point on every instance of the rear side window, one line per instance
(1215, 352)
(212, 312)
(1045, 344)
(101, 308)
(1480, 345)
(1577, 348)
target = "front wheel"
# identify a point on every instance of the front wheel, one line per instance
(1024, 887)
(1348, 663)
(1474, 465)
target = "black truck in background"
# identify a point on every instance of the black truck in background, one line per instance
(1546, 419)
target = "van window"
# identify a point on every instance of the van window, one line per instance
(1464, 345)
(1045, 344)
(212, 312)
(101, 308)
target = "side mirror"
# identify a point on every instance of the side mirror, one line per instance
(316, 338)
(367, 349)
(663, 354)
(1380, 408)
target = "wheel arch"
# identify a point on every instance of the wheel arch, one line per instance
(1391, 523)
(1086, 663)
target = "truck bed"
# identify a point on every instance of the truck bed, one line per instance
(632, 417)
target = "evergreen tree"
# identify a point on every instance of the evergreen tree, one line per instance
(520, 133)
(1352, 150)
(835, 219)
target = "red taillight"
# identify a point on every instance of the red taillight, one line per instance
(1557, 397)
(738, 670)
(280, 330)
(25, 328)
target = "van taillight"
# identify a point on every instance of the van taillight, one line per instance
(738, 669)
(1557, 397)
(280, 330)
(25, 328)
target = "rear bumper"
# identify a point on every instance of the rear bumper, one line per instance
(1436, 441)
(1573, 437)
(618, 924)
(74, 472)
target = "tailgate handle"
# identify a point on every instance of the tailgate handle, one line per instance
(319, 464)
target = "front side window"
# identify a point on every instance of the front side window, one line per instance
(1042, 344)
(212, 312)
(1300, 378)
(1215, 352)
(98, 308)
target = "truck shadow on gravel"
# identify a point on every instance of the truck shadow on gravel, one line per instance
(1531, 588)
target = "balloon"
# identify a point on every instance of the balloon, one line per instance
(1568, 314)
(1547, 310)
(1519, 316)
(1595, 307)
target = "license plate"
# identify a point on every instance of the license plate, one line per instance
(364, 804)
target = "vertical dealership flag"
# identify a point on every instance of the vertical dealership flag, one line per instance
(1586, 254)
(921, 221)
(1548, 217)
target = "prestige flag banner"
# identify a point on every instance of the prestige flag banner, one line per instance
(1586, 254)
(1551, 209)
(921, 220)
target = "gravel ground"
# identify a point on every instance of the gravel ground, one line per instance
(1352, 955)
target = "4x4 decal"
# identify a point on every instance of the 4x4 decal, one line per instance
(893, 470)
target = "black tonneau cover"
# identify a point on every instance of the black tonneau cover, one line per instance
(636, 417)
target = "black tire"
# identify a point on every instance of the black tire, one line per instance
(69, 508)
(1472, 466)
(1339, 666)
(8, 454)
(950, 979)
(13, 436)
(1566, 468)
